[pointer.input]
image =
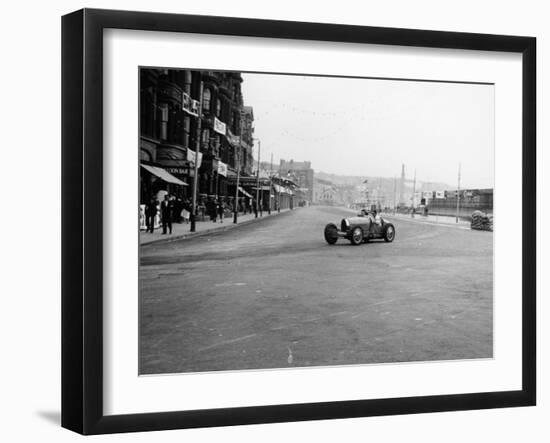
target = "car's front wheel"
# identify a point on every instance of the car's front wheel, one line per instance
(331, 233)
(389, 233)
(356, 236)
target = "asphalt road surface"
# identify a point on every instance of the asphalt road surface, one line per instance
(274, 294)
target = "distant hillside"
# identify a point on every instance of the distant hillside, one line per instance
(385, 184)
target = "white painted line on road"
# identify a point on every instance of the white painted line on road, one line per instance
(338, 313)
(229, 284)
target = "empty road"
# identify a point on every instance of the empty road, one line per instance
(273, 294)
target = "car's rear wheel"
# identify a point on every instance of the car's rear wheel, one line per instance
(356, 236)
(331, 233)
(389, 233)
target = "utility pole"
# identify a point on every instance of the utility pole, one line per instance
(414, 194)
(270, 183)
(394, 191)
(378, 195)
(258, 179)
(458, 193)
(279, 193)
(238, 160)
(197, 149)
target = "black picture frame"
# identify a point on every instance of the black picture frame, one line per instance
(82, 218)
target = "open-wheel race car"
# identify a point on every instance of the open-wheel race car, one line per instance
(364, 227)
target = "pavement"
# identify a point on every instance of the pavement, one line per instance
(274, 294)
(183, 230)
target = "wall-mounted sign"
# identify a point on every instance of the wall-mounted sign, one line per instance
(219, 126)
(222, 168)
(191, 157)
(189, 105)
(233, 139)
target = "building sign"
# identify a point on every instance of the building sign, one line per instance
(219, 126)
(191, 157)
(222, 169)
(233, 139)
(245, 181)
(439, 194)
(178, 172)
(427, 194)
(189, 105)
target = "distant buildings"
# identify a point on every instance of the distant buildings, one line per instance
(324, 192)
(303, 174)
(445, 202)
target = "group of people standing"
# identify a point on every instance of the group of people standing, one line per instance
(172, 210)
(215, 209)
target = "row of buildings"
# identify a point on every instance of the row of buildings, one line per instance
(184, 110)
(401, 195)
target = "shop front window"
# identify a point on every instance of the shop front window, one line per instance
(205, 137)
(163, 110)
(206, 96)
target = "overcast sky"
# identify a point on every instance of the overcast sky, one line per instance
(370, 127)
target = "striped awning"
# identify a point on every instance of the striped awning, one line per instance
(163, 175)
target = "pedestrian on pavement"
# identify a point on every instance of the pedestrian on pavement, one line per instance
(178, 207)
(166, 211)
(186, 210)
(220, 209)
(150, 214)
(212, 206)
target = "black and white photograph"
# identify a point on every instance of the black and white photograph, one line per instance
(275, 222)
(291, 221)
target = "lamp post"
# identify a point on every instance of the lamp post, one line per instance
(270, 183)
(458, 194)
(394, 192)
(236, 205)
(414, 195)
(258, 178)
(197, 148)
(238, 159)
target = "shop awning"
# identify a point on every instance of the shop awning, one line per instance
(283, 190)
(163, 175)
(244, 192)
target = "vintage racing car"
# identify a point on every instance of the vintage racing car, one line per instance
(364, 227)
